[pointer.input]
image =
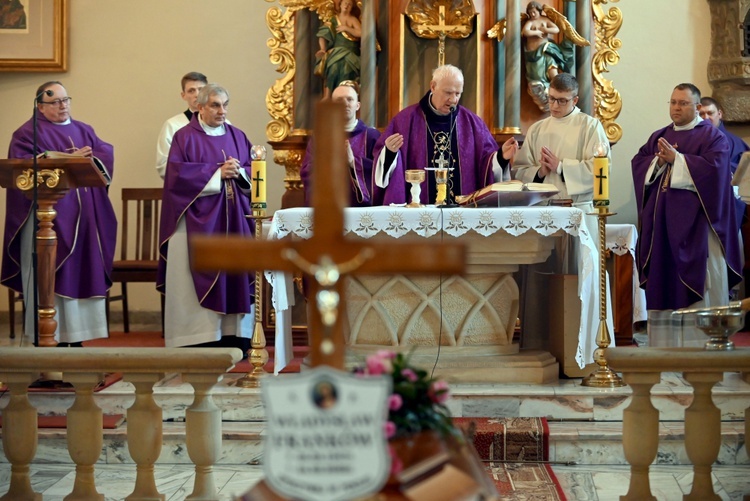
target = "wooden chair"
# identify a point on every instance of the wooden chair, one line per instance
(137, 262)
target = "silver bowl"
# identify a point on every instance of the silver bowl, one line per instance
(718, 326)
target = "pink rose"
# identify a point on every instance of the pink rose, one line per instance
(395, 402)
(390, 429)
(409, 375)
(377, 365)
(397, 465)
(385, 354)
(439, 392)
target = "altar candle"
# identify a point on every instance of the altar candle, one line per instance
(258, 172)
(601, 173)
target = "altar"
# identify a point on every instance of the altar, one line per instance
(465, 323)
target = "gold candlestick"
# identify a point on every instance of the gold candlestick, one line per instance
(441, 180)
(603, 376)
(257, 355)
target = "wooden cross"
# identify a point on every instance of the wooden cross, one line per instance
(328, 251)
(443, 30)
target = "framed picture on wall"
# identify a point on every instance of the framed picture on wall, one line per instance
(34, 35)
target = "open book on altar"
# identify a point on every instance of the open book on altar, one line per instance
(62, 154)
(508, 194)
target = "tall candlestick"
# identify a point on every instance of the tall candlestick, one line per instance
(258, 176)
(601, 176)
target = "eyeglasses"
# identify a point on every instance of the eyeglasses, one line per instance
(58, 102)
(682, 104)
(562, 101)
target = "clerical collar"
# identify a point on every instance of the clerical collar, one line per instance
(211, 131)
(432, 108)
(66, 122)
(688, 126)
(351, 125)
(431, 113)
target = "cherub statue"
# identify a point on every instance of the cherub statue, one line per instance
(543, 57)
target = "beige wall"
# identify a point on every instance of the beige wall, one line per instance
(127, 57)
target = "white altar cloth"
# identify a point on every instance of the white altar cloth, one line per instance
(429, 221)
(621, 239)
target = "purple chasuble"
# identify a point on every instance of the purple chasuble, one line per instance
(193, 159)
(362, 141)
(85, 225)
(674, 224)
(472, 147)
(736, 148)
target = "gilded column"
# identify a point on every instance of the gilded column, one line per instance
(367, 75)
(583, 57)
(512, 123)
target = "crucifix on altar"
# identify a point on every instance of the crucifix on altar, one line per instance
(445, 18)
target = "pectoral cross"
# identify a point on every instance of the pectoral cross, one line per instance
(441, 162)
(601, 177)
(443, 30)
(328, 255)
(257, 180)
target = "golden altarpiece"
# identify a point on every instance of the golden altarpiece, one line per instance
(403, 41)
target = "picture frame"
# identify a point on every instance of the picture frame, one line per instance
(41, 45)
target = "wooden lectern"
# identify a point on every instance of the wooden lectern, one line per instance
(56, 176)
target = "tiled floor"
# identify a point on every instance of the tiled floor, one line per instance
(579, 482)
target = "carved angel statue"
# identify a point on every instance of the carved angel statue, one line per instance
(543, 57)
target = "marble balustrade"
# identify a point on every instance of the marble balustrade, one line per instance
(202, 368)
(702, 369)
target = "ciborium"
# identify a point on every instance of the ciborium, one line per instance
(441, 180)
(416, 178)
(719, 326)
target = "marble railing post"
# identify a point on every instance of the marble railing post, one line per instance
(702, 434)
(203, 434)
(85, 424)
(145, 445)
(640, 434)
(19, 437)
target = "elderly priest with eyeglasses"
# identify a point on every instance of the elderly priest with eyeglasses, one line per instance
(86, 225)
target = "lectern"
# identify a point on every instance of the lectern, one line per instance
(56, 176)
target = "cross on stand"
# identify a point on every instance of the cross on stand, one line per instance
(443, 30)
(328, 252)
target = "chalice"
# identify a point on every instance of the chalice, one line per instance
(416, 178)
(441, 180)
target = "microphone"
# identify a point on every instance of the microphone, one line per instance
(453, 108)
(47, 93)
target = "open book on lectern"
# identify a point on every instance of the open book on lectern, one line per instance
(62, 154)
(509, 194)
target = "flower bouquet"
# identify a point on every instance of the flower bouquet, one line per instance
(417, 415)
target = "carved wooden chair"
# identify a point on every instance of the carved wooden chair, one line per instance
(138, 261)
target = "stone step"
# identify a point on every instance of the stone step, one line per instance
(579, 442)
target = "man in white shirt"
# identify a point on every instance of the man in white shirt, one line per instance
(192, 83)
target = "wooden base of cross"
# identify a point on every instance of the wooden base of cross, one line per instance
(257, 355)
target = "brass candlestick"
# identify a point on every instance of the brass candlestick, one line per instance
(603, 376)
(257, 355)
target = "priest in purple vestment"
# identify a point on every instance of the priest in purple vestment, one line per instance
(359, 150)
(206, 191)
(438, 132)
(688, 250)
(86, 226)
(711, 110)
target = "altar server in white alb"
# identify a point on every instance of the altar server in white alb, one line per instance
(560, 150)
(192, 83)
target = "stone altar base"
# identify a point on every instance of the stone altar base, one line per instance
(474, 364)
